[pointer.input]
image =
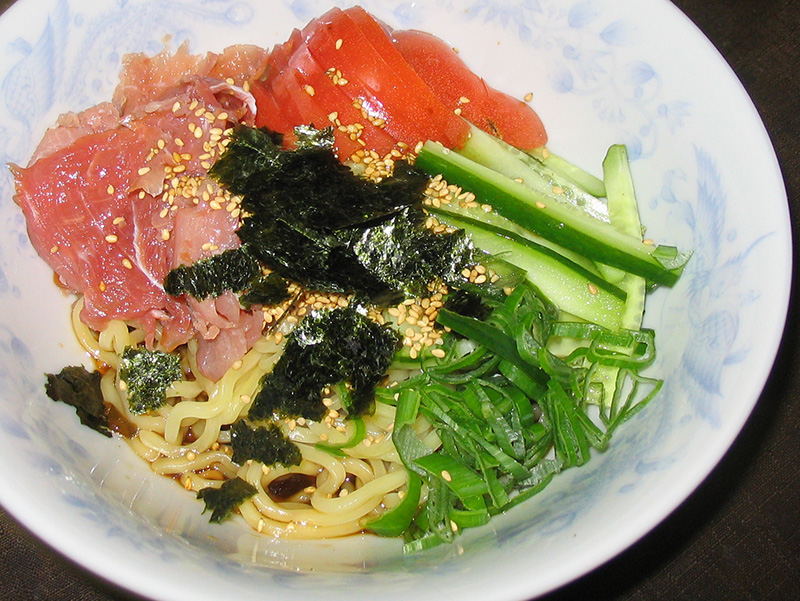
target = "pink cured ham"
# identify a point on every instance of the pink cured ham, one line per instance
(116, 196)
(145, 79)
(72, 126)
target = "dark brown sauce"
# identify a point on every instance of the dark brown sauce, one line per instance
(189, 437)
(285, 487)
(119, 423)
(101, 367)
(60, 283)
(349, 484)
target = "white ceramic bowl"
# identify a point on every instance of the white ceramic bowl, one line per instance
(602, 72)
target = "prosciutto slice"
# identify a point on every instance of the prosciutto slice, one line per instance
(116, 196)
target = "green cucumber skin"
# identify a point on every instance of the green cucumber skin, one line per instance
(582, 179)
(498, 156)
(624, 212)
(558, 278)
(595, 239)
(493, 218)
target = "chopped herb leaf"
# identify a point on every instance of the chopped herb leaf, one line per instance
(147, 375)
(326, 348)
(234, 269)
(80, 388)
(223, 500)
(266, 444)
(507, 424)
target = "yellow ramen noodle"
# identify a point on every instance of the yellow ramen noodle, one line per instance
(188, 439)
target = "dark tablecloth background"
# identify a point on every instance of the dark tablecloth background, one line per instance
(738, 536)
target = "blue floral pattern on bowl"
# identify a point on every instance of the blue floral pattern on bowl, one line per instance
(597, 58)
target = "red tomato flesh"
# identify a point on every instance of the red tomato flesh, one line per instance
(452, 81)
(268, 113)
(329, 99)
(386, 85)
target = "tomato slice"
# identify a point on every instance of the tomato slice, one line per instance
(377, 32)
(313, 114)
(267, 112)
(386, 85)
(336, 105)
(279, 57)
(278, 88)
(277, 67)
(453, 82)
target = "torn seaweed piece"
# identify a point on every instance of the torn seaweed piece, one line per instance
(308, 136)
(235, 269)
(266, 444)
(267, 291)
(310, 186)
(318, 260)
(147, 375)
(408, 256)
(326, 348)
(467, 303)
(314, 221)
(80, 388)
(224, 500)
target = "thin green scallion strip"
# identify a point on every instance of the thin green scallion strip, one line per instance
(359, 434)
(620, 414)
(492, 338)
(397, 520)
(462, 481)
